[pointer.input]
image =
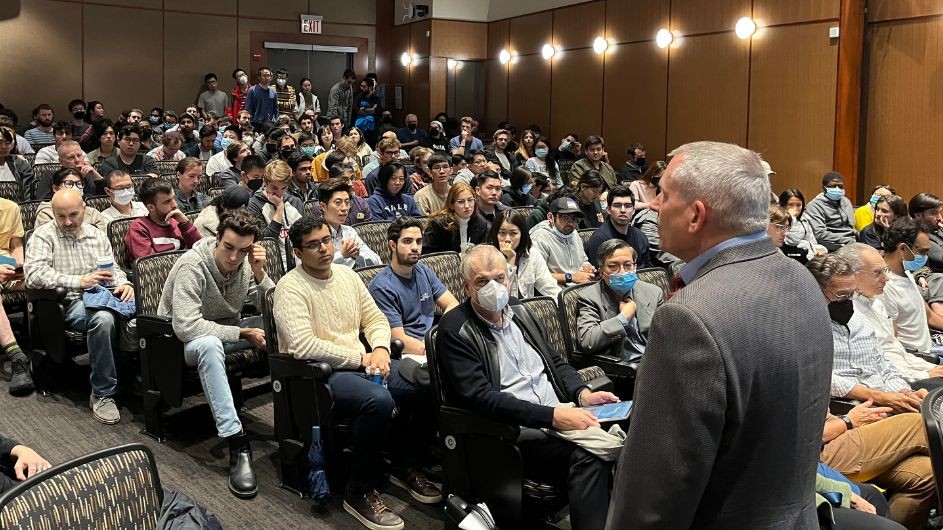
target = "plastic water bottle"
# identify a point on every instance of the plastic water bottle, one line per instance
(378, 378)
(106, 264)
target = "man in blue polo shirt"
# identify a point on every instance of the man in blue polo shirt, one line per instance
(405, 281)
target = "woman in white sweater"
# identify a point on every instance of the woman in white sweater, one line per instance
(529, 273)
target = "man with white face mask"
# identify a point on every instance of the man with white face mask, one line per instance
(501, 367)
(120, 189)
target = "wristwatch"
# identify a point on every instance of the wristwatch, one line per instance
(568, 278)
(847, 421)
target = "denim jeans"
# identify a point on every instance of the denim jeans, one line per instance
(101, 330)
(371, 407)
(208, 354)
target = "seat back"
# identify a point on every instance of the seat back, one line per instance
(311, 210)
(436, 377)
(932, 411)
(567, 315)
(166, 166)
(150, 275)
(373, 234)
(11, 190)
(30, 157)
(274, 266)
(42, 173)
(565, 166)
(28, 210)
(138, 180)
(367, 274)
(117, 229)
(192, 216)
(448, 267)
(99, 202)
(215, 191)
(117, 488)
(268, 322)
(585, 234)
(523, 210)
(656, 276)
(545, 312)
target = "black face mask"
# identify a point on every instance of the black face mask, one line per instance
(640, 161)
(286, 152)
(79, 114)
(271, 148)
(254, 184)
(387, 119)
(411, 126)
(841, 311)
(656, 180)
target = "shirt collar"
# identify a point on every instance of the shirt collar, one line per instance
(689, 272)
(506, 314)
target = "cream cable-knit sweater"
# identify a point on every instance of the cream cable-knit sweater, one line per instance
(321, 319)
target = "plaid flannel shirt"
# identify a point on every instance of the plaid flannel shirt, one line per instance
(859, 359)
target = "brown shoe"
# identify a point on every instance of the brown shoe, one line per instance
(371, 512)
(420, 487)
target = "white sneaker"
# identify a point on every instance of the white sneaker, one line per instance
(104, 410)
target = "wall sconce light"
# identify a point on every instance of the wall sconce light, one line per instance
(505, 56)
(745, 28)
(548, 51)
(451, 63)
(600, 45)
(406, 59)
(664, 38)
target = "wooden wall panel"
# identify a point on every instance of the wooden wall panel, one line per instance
(707, 90)
(529, 92)
(420, 38)
(246, 28)
(496, 95)
(689, 17)
(497, 37)
(191, 62)
(792, 103)
(209, 7)
(399, 74)
(576, 94)
(904, 129)
(577, 26)
(769, 12)
(530, 33)
(635, 20)
(120, 79)
(348, 11)
(280, 9)
(148, 4)
(26, 68)
(880, 10)
(635, 106)
(462, 41)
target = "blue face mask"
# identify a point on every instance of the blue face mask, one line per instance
(624, 282)
(541, 153)
(525, 189)
(225, 142)
(918, 261)
(874, 200)
(308, 150)
(834, 194)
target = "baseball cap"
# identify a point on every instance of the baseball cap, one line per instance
(564, 205)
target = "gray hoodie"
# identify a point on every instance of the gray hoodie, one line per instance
(202, 301)
(563, 254)
(833, 223)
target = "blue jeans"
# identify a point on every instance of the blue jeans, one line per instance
(208, 354)
(101, 330)
(371, 407)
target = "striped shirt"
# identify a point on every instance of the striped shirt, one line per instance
(37, 136)
(859, 360)
(58, 259)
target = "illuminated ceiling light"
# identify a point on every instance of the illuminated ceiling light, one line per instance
(405, 59)
(600, 45)
(664, 38)
(745, 28)
(505, 56)
(548, 51)
(450, 64)
(415, 60)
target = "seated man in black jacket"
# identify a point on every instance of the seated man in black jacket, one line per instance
(526, 387)
(18, 462)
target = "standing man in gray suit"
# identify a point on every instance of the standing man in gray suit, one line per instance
(727, 424)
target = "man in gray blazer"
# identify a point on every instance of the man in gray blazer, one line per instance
(727, 424)
(615, 313)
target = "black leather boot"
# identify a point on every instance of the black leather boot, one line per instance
(242, 481)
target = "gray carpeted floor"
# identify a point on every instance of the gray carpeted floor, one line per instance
(60, 427)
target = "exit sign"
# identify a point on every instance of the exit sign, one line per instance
(311, 24)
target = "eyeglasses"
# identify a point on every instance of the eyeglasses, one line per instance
(622, 206)
(131, 140)
(841, 297)
(391, 153)
(317, 244)
(781, 228)
(877, 273)
(73, 184)
(464, 202)
(615, 268)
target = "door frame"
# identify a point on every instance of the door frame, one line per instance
(258, 54)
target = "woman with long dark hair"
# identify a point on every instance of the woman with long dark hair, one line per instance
(544, 161)
(529, 275)
(325, 139)
(307, 100)
(102, 140)
(388, 201)
(800, 233)
(646, 188)
(887, 209)
(455, 227)
(518, 193)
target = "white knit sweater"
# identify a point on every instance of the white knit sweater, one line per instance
(321, 319)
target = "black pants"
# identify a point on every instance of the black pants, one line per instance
(851, 519)
(586, 479)
(929, 384)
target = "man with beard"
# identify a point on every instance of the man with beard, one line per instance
(42, 133)
(397, 287)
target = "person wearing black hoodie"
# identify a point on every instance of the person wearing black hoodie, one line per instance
(518, 193)
(388, 201)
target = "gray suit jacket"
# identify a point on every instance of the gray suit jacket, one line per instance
(727, 424)
(597, 329)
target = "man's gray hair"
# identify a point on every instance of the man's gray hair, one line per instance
(823, 268)
(730, 179)
(485, 255)
(609, 247)
(852, 253)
